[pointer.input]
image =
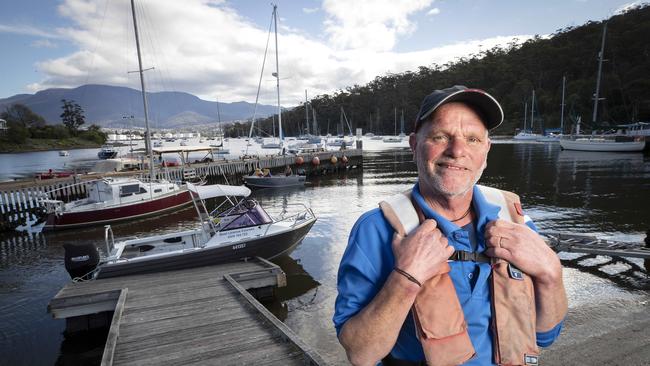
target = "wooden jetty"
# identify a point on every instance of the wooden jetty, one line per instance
(22, 200)
(588, 244)
(201, 315)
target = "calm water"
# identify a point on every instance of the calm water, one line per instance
(600, 193)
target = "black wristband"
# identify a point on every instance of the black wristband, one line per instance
(407, 275)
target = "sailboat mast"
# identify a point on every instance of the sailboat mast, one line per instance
(147, 135)
(277, 73)
(532, 112)
(562, 109)
(600, 69)
(525, 114)
(306, 113)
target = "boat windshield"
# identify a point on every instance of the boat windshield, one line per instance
(247, 213)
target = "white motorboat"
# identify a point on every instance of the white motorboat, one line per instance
(64, 153)
(528, 136)
(237, 228)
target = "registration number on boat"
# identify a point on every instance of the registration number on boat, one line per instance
(239, 246)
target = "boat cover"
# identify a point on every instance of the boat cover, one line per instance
(218, 190)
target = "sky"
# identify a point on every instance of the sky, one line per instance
(215, 48)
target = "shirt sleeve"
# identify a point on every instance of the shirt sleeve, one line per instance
(545, 339)
(360, 274)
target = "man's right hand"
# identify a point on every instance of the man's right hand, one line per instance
(422, 252)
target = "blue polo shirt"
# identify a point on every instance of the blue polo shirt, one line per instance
(368, 260)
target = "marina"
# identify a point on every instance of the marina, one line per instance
(590, 193)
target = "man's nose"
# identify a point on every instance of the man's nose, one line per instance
(456, 147)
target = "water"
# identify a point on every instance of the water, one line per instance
(600, 193)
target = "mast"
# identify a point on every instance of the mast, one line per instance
(532, 112)
(562, 109)
(277, 73)
(395, 122)
(600, 69)
(525, 114)
(147, 135)
(306, 113)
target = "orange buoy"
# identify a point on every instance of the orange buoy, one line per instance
(299, 160)
(333, 159)
(344, 159)
(315, 160)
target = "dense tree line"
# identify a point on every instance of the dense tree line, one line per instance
(510, 73)
(23, 123)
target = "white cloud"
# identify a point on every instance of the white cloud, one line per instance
(625, 7)
(370, 24)
(44, 43)
(433, 11)
(27, 30)
(309, 10)
(207, 49)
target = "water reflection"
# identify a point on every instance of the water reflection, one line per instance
(602, 194)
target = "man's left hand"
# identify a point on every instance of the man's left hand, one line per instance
(524, 248)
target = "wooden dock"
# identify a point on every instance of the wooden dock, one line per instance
(200, 316)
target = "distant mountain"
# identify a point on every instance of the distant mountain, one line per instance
(107, 105)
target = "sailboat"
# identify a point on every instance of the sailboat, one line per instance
(524, 134)
(395, 138)
(118, 199)
(613, 143)
(259, 179)
(555, 137)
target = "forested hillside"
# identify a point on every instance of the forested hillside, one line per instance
(511, 73)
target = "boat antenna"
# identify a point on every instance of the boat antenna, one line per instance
(147, 135)
(277, 74)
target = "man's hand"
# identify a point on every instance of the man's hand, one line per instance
(523, 247)
(422, 252)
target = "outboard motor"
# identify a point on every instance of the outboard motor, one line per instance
(80, 259)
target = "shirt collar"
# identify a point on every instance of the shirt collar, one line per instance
(485, 211)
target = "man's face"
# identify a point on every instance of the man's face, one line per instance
(451, 150)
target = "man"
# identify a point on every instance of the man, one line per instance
(382, 273)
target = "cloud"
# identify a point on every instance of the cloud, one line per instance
(370, 24)
(207, 49)
(27, 30)
(44, 43)
(310, 10)
(626, 7)
(433, 11)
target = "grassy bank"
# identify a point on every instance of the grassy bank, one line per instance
(47, 144)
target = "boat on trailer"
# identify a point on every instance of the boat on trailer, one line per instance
(236, 229)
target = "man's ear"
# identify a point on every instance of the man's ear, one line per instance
(413, 141)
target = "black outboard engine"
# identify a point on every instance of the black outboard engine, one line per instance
(80, 258)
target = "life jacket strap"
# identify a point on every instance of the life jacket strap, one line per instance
(463, 256)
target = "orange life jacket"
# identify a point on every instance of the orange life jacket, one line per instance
(439, 319)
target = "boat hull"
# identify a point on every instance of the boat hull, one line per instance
(266, 247)
(614, 146)
(275, 181)
(69, 220)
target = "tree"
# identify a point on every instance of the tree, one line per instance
(72, 116)
(21, 115)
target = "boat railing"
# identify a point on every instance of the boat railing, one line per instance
(298, 217)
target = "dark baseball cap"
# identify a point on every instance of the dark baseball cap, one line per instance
(492, 114)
